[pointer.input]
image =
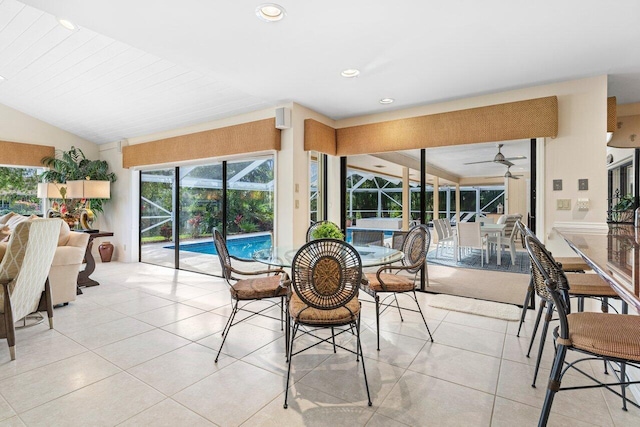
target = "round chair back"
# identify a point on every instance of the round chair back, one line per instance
(223, 253)
(415, 247)
(326, 273)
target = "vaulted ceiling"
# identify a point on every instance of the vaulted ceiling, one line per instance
(143, 66)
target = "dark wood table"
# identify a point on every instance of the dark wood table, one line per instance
(83, 276)
(613, 255)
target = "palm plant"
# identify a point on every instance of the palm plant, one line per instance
(74, 165)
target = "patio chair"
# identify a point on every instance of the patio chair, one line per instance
(609, 337)
(469, 238)
(397, 239)
(23, 275)
(367, 237)
(325, 278)
(271, 285)
(444, 237)
(509, 243)
(415, 248)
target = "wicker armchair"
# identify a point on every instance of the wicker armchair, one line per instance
(609, 337)
(23, 275)
(248, 290)
(326, 274)
(415, 248)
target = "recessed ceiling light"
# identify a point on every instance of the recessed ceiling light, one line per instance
(350, 73)
(67, 24)
(386, 100)
(270, 12)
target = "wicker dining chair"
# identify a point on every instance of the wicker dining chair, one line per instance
(325, 279)
(271, 284)
(397, 239)
(367, 238)
(415, 248)
(610, 337)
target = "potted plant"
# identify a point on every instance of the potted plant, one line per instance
(622, 210)
(74, 165)
(327, 230)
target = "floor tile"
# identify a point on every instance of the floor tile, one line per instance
(507, 413)
(140, 348)
(381, 421)
(12, 422)
(197, 327)
(6, 411)
(105, 403)
(223, 396)
(110, 332)
(167, 413)
(395, 349)
(468, 338)
(38, 386)
(242, 339)
(480, 322)
(168, 314)
(179, 368)
(310, 407)
(473, 370)
(140, 305)
(417, 398)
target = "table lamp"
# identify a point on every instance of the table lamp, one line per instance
(88, 189)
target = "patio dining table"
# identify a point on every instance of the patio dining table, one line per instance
(371, 256)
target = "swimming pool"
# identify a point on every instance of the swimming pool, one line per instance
(241, 247)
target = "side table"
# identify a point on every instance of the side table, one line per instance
(83, 276)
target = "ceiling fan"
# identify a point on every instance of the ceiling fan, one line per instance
(500, 158)
(508, 174)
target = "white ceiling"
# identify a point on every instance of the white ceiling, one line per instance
(137, 67)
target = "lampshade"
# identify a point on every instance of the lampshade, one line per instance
(627, 134)
(49, 190)
(87, 189)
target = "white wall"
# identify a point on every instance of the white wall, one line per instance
(16, 126)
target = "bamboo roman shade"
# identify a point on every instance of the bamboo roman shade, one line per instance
(319, 137)
(19, 154)
(612, 114)
(514, 120)
(249, 137)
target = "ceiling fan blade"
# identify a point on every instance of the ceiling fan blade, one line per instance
(507, 163)
(516, 158)
(475, 163)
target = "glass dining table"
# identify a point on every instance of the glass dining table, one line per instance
(371, 256)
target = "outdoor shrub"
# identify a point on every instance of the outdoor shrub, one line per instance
(327, 230)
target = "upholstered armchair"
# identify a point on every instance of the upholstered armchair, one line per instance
(23, 274)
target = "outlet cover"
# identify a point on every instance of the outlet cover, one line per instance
(563, 204)
(557, 184)
(583, 184)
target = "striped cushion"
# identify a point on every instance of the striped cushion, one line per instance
(391, 283)
(313, 316)
(614, 335)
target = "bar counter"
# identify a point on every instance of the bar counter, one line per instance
(614, 255)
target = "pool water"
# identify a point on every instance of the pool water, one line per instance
(241, 247)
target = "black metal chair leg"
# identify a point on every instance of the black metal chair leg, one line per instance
(415, 298)
(525, 308)
(364, 370)
(543, 337)
(398, 307)
(378, 319)
(227, 328)
(554, 384)
(623, 378)
(281, 313)
(333, 338)
(535, 327)
(290, 356)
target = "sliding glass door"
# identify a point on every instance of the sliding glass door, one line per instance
(180, 207)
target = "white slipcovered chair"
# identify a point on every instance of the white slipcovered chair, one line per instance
(23, 274)
(470, 237)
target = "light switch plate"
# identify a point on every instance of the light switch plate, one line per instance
(563, 204)
(557, 184)
(582, 204)
(583, 184)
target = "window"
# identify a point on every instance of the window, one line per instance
(18, 190)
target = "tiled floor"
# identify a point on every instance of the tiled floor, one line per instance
(140, 350)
